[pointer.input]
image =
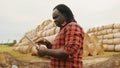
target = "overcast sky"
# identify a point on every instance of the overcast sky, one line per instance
(20, 16)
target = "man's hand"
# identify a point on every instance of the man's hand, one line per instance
(42, 50)
(44, 42)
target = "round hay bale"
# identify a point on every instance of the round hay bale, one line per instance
(93, 38)
(100, 48)
(43, 34)
(16, 48)
(100, 37)
(85, 48)
(49, 26)
(50, 31)
(100, 41)
(28, 50)
(109, 48)
(109, 31)
(108, 41)
(116, 35)
(24, 49)
(50, 38)
(116, 41)
(94, 29)
(95, 33)
(21, 39)
(92, 49)
(99, 33)
(110, 26)
(34, 50)
(85, 52)
(39, 34)
(90, 30)
(108, 36)
(104, 32)
(105, 47)
(116, 30)
(37, 28)
(17, 44)
(100, 28)
(46, 22)
(116, 26)
(117, 48)
(57, 30)
(86, 38)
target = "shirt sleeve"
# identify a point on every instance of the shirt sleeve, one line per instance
(73, 40)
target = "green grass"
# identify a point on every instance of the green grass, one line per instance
(9, 49)
(5, 48)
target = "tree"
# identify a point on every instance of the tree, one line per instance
(13, 43)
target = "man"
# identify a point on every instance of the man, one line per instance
(67, 49)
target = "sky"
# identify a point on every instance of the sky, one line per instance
(20, 16)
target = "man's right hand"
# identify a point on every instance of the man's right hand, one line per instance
(41, 51)
(45, 42)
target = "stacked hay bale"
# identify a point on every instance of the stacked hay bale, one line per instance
(108, 35)
(47, 30)
(92, 46)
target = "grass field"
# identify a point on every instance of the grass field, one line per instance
(4, 48)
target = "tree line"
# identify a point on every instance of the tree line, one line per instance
(10, 44)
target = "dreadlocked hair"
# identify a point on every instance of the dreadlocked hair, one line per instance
(66, 11)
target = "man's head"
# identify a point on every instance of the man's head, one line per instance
(61, 14)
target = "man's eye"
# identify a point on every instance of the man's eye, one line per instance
(55, 17)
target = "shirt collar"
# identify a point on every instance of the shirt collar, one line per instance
(63, 24)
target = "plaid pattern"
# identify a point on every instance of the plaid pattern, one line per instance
(70, 38)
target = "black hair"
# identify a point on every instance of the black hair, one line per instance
(66, 11)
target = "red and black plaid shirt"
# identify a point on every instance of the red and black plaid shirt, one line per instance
(70, 37)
